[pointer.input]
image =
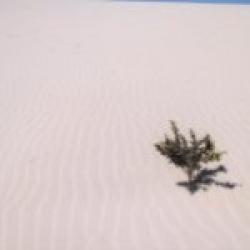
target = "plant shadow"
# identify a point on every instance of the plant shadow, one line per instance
(206, 178)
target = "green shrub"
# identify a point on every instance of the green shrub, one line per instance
(188, 154)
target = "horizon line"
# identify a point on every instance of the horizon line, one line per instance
(230, 2)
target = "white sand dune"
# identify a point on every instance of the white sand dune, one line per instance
(86, 89)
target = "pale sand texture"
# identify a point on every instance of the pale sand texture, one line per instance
(85, 91)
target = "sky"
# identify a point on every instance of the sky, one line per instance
(198, 1)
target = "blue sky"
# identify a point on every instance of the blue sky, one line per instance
(198, 1)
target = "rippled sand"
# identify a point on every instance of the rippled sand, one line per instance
(86, 89)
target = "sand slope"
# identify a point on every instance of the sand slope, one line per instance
(85, 91)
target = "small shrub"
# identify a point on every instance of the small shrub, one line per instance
(188, 154)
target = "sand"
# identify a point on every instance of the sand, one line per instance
(86, 89)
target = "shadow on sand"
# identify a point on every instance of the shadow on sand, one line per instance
(206, 178)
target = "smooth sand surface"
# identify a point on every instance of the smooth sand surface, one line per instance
(86, 89)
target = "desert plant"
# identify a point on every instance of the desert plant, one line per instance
(188, 154)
